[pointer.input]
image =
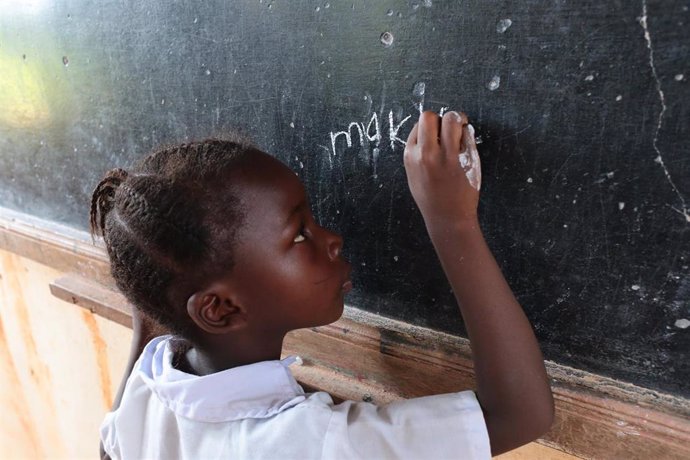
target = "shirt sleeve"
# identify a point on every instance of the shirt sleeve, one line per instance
(439, 427)
(109, 437)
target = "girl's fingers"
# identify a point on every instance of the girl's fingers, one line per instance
(412, 137)
(468, 142)
(429, 130)
(452, 131)
(411, 154)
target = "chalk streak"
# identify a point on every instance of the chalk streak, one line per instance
(393, 130)
(659, 159)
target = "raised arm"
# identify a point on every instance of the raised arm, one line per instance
(444, 176)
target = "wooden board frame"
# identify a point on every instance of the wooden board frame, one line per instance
(368, 357)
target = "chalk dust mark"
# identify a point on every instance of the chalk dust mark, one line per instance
(494, 83)
(659, 159)
(418, 93)
(503, 25)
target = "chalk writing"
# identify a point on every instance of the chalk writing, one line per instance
(370, 132)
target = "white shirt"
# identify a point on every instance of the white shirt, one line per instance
(260, 412)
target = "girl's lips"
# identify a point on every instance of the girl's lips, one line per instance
(347, 286)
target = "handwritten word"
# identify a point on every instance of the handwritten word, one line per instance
(370, 131)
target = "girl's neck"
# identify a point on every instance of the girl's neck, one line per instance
(217, 357)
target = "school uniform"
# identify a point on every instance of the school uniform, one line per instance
(259, 411)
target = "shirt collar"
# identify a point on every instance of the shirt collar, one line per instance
(256, 390)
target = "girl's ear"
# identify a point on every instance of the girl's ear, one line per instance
(214, 310)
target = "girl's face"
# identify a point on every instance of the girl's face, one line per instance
(289, 272)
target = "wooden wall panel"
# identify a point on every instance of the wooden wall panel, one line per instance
(61, 365)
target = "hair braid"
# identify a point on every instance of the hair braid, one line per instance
(166, 232)
(102, 199)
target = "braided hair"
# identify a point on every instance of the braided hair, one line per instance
(169, 225)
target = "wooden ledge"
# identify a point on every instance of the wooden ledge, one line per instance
(368, 357)
(54, 245)
(94, 297)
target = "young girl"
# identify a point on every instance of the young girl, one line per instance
(216, 242)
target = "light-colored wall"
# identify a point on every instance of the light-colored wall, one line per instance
(61, 366)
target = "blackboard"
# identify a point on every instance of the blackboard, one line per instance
(582, 109)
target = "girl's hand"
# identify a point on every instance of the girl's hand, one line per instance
(443, 168)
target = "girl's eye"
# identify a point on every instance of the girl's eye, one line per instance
(300, 236)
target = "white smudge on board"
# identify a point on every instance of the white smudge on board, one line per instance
(494, 83)
(387, 39)
(418, 92)
(419, 89)
(503, 25)
(682, 323)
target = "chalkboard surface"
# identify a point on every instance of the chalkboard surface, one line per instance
(582, 108)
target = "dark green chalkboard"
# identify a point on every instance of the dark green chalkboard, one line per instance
(582, 108)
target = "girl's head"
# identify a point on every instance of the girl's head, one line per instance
(217, 237)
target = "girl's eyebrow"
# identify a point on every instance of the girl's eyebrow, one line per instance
(295, 210)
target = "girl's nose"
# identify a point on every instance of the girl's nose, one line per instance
(335, 245)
